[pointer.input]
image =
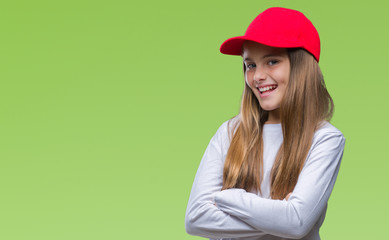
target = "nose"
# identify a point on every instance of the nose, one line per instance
(259, 75)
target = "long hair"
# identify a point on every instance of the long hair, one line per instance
(304, 106)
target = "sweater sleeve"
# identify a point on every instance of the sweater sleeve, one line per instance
(296, 217)
(202, 217)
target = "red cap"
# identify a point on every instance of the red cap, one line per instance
(278, 27)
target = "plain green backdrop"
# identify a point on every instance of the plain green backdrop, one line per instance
(106, 108)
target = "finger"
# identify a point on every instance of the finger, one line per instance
(287, 196)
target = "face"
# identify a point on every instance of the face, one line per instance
(267, 74)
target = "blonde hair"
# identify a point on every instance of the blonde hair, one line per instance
(305, 105)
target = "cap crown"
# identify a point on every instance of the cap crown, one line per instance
(278, 27)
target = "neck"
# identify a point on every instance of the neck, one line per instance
(274, 117)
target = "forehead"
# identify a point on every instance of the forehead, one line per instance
(254, 49)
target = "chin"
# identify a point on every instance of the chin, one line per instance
(268, 104)
(269, 108)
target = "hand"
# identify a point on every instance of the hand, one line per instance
(287, 196)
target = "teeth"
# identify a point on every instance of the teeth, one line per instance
(266, 88)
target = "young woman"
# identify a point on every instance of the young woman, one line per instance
(268, 172)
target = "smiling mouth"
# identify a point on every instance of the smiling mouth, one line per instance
(266, 89)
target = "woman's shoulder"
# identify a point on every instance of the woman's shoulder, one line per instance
(226, 130)
(327, 131)
(228, 127)
(326, 127)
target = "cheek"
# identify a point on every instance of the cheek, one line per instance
(248, 79)
(281, 75)
(282, 80)
(282, 91)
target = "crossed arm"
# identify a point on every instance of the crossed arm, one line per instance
(235, 213)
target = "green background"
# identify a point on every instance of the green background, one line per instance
(107, 108)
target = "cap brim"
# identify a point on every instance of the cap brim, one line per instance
(233, 46)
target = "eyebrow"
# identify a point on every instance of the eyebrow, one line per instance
(266, 56)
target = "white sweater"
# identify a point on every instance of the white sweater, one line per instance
(237, 214)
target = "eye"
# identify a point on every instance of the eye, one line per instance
(250, 66)
(272, 62)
